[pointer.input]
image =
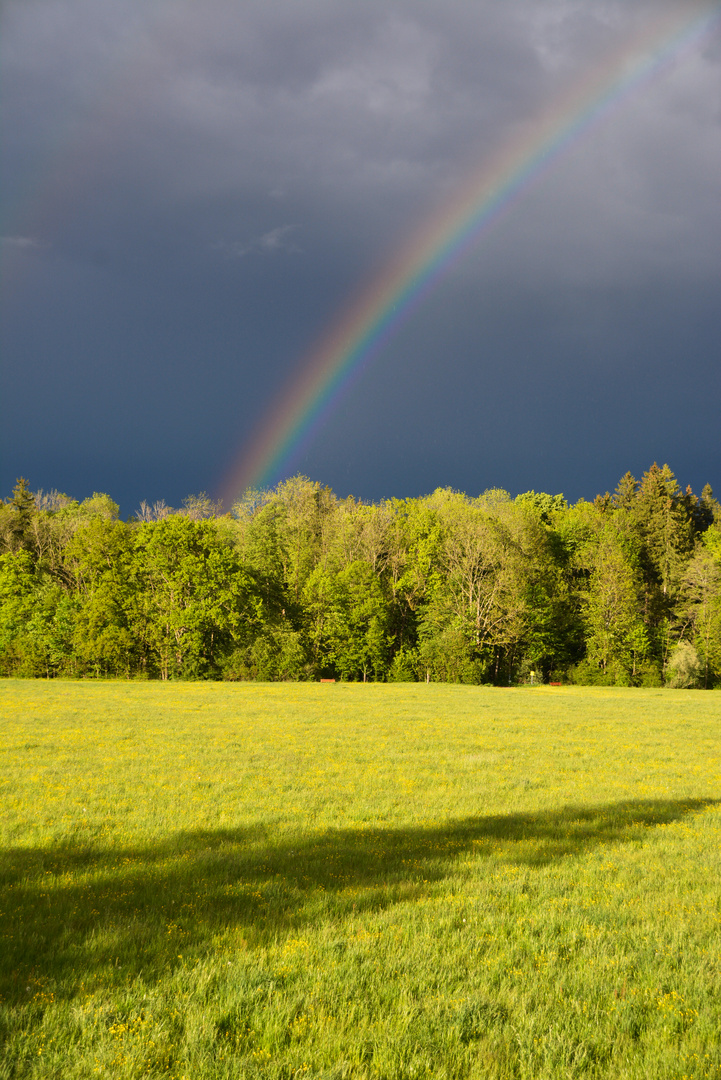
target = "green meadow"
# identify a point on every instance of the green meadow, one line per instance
(203, 880)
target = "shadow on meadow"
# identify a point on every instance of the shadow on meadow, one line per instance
(79, 912)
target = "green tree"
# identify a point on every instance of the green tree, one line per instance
(626, 493)
(683, 667)
(665, 524)
(359, 623)
(549, 629)
(16, 516)
(194, 602)
(99, 564)
(701, 608)
(348, 621)
(616, 638)
(477, 586)
(36, 619)
(303, 510)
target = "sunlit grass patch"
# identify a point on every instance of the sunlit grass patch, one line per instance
(386, 881)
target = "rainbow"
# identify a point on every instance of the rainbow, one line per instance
(377, 313)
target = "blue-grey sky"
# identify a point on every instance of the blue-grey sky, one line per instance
(193, 191)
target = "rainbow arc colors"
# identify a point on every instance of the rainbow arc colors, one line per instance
(365, 327)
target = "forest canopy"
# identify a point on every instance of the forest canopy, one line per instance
(296, 583)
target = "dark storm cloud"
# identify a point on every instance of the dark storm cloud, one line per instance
(247, 107)
(192, 191)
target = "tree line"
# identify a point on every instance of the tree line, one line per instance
(296, 583)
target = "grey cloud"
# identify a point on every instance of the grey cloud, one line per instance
(364, 106)
(166, 153)
(24, 243)
(277, 239)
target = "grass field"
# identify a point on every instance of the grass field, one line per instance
(203, 880)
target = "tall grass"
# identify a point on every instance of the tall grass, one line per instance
(203, 880)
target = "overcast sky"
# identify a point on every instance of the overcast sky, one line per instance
(193, 191)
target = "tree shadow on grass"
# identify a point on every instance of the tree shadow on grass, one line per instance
(69, 911)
